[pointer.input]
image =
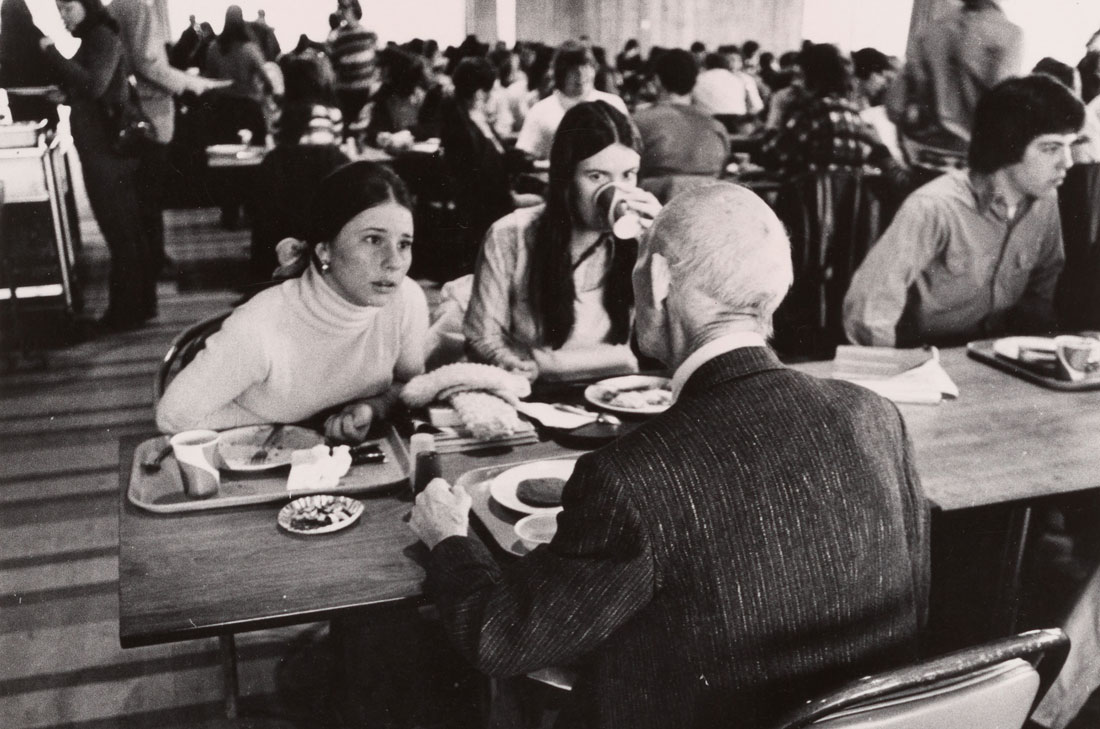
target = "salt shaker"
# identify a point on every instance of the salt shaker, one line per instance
(425, 461)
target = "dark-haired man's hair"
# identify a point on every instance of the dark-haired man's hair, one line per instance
(1013, 113)
(571, 55)
(824, 70)
(501, 58)
(1058, 71)
(677, 71)
(867, 61)
(473, 75)
(716, 60)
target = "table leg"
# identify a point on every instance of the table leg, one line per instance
(228, 646)
(1008, 595)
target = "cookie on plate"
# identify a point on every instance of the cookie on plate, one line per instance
(540, 492)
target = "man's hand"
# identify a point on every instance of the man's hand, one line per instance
(441, 511)
(351, 424)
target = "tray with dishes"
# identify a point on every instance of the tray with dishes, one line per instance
(517, 503)
(631, 394)
(1034, 359)
(159, 488)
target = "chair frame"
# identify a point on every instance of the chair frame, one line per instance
(1045, 649)
(183, 349)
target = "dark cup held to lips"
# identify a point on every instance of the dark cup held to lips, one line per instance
(625, 222)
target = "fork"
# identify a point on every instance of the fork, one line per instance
(261, 455)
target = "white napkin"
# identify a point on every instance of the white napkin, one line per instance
(904, 376)
(315, 469)
(552, 417)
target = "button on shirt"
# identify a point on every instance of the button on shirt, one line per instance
(955, 265)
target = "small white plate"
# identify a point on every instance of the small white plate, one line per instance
(237, 446)
(537, 528)
(503, 487)
(1025, 349)
(319, 506)
(601, 393)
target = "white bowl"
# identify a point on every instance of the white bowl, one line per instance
(537, 528)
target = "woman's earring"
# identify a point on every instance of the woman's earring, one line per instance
(325, 266)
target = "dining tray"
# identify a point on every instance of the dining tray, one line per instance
(1042, 374)
(498, 520)
(162, 490)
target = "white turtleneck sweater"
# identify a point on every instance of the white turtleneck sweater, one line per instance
(294, 350)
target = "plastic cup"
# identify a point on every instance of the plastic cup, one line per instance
(623, 220)
(1077, 356)
(196, 453)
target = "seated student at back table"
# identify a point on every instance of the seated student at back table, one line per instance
(551, 294)
(823, 127)
(763, 540)
(678, 138)
(347, 330)
(976, 253)
(574, 82)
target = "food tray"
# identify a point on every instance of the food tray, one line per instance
(162, 491)
(499, 521)
(1040, 373)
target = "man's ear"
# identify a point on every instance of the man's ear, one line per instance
(659, 278)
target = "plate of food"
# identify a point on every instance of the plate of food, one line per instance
(632, 394)
(533, 488)
(319, 514)
(1025, 349)
(537, 528)
(237, 447)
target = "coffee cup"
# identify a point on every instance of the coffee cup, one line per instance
(196, 452)
(1077, 356)
(623, 220)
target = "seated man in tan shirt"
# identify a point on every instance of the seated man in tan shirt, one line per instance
(976, 253)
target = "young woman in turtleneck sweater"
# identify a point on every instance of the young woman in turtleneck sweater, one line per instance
(94, 79)
(348, 330)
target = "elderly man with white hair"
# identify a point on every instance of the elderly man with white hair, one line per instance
(761, 541)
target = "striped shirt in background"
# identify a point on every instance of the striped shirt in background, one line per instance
(353, 56)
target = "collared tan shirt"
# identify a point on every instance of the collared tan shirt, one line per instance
(953, 266)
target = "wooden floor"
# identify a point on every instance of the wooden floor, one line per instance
(60, 660)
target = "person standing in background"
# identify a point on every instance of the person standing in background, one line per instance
(352, 49)
(143, 30)
(960, 56)
(95, 81)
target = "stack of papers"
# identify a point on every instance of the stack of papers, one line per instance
(902, 375)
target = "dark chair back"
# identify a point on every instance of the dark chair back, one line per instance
(1077, 298)
(183, 349)
(992, 686)
(833, 217)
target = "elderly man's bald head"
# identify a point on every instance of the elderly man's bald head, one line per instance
(723, 241)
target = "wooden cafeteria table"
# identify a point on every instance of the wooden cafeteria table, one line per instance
(224, 571)
(219, 572)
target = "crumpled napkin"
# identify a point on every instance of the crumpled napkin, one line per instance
(316, 469)
(552, 417)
